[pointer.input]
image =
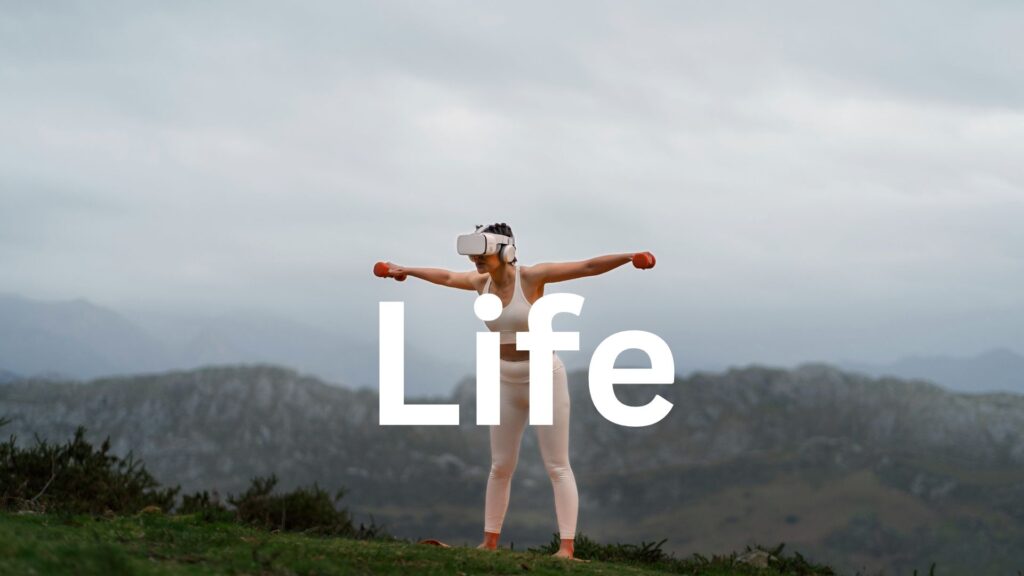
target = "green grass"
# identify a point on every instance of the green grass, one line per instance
(159, 544)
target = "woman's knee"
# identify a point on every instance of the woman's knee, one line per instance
(558, 470)
(502, 467)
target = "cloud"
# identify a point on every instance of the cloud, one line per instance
(846, 162)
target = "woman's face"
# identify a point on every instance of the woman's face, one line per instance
(485, 262)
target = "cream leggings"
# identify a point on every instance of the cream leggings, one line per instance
(553, 440)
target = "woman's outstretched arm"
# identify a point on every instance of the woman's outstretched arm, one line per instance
(547, 272)
(439, 276)
(602, 264)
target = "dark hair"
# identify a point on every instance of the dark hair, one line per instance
(499, 228)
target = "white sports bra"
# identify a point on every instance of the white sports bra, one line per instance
(514, 317)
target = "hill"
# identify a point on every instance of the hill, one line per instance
(854, 471)
(152, 544)
(79, 339)
(996, 370)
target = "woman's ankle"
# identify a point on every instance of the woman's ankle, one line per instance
(491, 539)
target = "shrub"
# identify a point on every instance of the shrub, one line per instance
(304, 509)
(76, 478)
(584, 547)
(206, 507)
(310, 510)
(650, 554)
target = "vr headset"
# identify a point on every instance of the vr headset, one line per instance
(480, 243)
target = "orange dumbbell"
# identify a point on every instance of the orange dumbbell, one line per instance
(382, 270)
(643, 260)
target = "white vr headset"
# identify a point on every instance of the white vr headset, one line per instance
(480, 243)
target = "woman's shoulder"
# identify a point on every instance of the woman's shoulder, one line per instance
(480, 281)
(527, 272)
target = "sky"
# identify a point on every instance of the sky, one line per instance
(818, 180)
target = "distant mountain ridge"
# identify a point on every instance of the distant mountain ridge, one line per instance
(82, 341)
(880, 472)
(73, 337)
(996, 370)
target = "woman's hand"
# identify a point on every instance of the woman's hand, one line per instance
(389, 270)
(395, 271)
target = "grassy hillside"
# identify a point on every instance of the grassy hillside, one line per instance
(162, 544)
(857, 473)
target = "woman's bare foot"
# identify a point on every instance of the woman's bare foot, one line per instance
(490, 541)
(566, 549)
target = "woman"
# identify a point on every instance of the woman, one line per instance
(519, 287)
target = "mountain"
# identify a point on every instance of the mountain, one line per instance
(856, 472)
(251, 337)
(72, 337)
(80, 340)
(997, 370)
(7, 376)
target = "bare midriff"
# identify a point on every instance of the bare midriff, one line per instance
(509, 352)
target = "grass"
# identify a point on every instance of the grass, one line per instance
(186, 544)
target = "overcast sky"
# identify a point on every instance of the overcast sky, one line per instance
(818, 180)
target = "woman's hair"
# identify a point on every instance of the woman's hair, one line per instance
(499, 228)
